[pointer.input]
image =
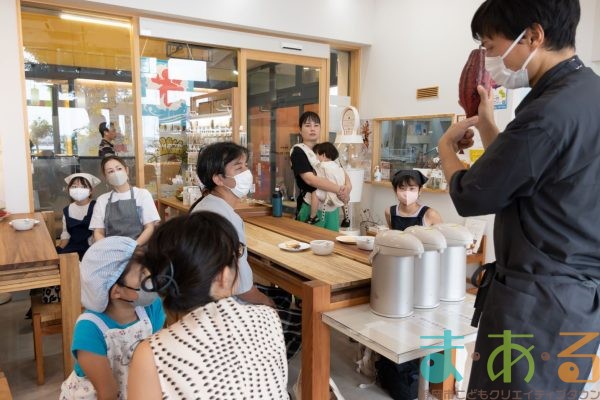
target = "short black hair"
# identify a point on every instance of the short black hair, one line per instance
(327, 149)
(558, 18)
(198, 246)
(309, 116)
(213, 159)
(409, 177)
(102, 128)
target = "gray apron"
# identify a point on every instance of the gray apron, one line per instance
(122, 218)
(541, 298)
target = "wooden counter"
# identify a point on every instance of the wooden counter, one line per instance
(244, 210)
(28, 260)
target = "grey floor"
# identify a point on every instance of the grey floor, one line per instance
(17, 363)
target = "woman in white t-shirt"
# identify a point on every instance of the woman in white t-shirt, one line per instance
(126, 210)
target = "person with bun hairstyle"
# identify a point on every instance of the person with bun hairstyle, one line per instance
(215, 347)
(407, 185)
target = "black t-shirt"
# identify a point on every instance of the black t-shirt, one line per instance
(300, 165)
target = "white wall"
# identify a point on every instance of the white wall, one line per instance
(338, 20)
(419, 44)
(13, 157)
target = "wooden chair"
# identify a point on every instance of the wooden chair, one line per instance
(4, 389)
(479, 259)
(50, 223)
(46, 321)
(46, 318)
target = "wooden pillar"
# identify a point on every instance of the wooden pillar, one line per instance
(70, 291)
(445, 390)
(315, 341)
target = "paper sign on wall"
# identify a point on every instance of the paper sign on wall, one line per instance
(265, 150)
(500, 100)
(474, 154)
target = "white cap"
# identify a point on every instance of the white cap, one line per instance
(89, 177)
(101, 267)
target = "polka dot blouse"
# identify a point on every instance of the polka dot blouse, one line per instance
(224, 350)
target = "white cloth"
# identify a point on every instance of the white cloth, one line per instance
(76, 212)
(120, 344)
(221, 207)
(143, 200)
(332, 171)
(223, 350)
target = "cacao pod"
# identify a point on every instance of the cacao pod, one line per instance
(473, 74)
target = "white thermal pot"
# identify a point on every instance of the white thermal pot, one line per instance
(453, 284)
(392, 278)
(428, 266)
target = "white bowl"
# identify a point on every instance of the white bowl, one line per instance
(322, 247)
(365, 242)
(23, 224)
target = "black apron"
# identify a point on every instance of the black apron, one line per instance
(79, 230)
(122, 218)
(401, 223)
(541, 178)
(556, 299)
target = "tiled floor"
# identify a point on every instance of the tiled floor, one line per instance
(16, 359)
(16, 353)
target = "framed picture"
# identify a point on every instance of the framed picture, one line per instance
(460, 117)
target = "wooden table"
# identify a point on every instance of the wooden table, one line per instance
(323, 282)
(304, 232)
(245, 209)
(28, 260)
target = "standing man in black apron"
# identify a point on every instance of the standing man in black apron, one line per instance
(126, 210)
(538, 331)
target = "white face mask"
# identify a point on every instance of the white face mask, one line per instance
(79, 194)
(408, 197)
(505, 76)
(117, 178)
(243, 183)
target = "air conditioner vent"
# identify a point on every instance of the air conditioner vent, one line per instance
(428, 93)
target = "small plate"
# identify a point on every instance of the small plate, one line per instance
(347, 239)
(303, 246)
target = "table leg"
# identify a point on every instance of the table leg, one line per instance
(445, 390)
(70, 291)
(161, 211)
(315, 341)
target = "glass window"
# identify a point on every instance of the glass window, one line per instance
(273, 114)
(411, 142)
(187, 102)
(78, 74)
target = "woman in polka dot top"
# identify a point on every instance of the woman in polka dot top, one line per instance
(214, 346)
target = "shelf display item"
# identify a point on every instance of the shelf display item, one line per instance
(351, 155)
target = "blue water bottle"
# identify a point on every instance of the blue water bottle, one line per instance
(277, 202)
